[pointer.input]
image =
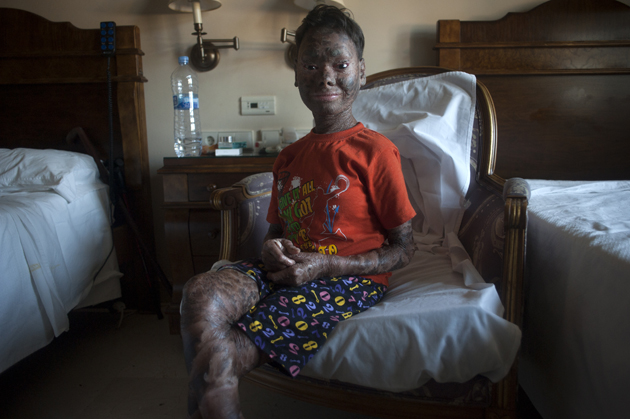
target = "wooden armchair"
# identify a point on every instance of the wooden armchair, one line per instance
(493, 231)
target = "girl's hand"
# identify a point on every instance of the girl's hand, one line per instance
(276, 254)
(306, 267)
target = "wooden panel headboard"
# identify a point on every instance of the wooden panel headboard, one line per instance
(560, 79)
(53, 78)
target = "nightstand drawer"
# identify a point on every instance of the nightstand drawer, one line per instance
(193, 230)
(205, 232)
(201, 185)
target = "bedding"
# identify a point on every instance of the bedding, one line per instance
(23, 169)
(56, 247)
(576, 316)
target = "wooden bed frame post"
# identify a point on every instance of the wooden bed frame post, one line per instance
(559, 75)
(55, 80)
(449, 31)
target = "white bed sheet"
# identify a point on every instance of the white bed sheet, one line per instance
(50, 254)
(576, 337)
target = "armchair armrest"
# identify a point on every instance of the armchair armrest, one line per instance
(493, 231)
(516, 194)
(243, 209)
(516, 188)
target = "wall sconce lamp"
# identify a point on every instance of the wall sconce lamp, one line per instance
(205, 54)
(287, 36)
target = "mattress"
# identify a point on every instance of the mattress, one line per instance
(55, 255)
(576, 333)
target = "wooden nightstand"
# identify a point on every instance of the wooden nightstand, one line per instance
(192, 229)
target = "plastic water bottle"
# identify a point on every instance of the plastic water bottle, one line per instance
(186, 105)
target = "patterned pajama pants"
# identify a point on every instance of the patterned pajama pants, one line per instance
(290, 324)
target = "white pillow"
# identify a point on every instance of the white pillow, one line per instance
(24, 169)
(430, 120)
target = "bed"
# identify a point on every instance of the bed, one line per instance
(450, 321)
(59, 249)
(560, 78)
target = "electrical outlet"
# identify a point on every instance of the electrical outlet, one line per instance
(209, 137)
(239, 136)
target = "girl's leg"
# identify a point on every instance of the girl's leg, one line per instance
(217, 353)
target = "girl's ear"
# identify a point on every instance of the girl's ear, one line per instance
(362, 68)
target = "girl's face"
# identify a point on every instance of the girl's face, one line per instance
(329, 73)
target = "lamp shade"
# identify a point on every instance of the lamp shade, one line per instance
(187, 5)
(310, 4)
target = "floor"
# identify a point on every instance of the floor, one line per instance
(100, 371)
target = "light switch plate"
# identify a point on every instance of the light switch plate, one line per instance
(258, 105)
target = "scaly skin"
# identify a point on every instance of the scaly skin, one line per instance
(329, 74)
(217, 353)
(297, 268)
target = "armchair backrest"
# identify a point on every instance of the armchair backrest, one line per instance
(481, 230)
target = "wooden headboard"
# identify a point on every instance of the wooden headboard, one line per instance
(53, 78)
(559, 76)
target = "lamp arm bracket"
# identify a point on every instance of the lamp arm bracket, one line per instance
(285, 34)
(234, 43)
(204, 55)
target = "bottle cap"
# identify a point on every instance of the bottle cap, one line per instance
(183, 60)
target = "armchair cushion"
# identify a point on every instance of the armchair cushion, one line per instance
(428, 326)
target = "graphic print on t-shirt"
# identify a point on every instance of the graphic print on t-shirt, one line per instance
(332, 206)
(297, 206)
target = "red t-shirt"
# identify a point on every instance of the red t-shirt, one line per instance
(340, 193)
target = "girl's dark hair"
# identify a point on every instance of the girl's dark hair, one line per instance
(324, 16)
